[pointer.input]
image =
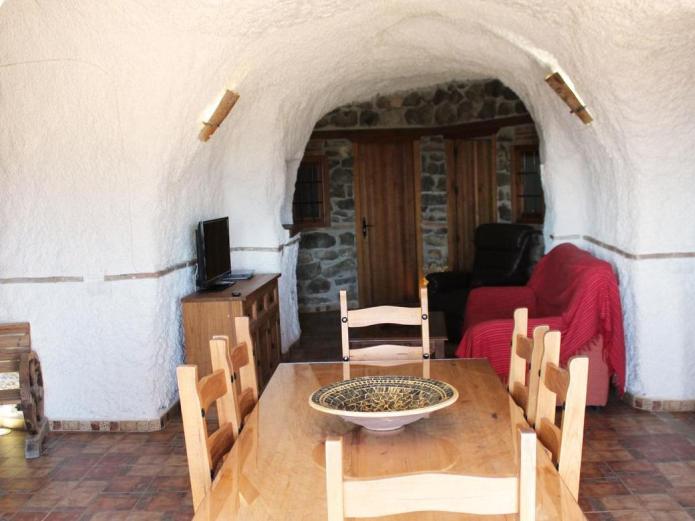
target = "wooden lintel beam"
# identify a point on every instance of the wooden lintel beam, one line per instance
(464, 130)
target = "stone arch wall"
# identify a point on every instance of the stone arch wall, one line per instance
(104, 310)
(327, 256)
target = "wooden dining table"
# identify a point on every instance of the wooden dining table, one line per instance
(276, 471)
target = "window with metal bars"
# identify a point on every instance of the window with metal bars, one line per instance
(311, 203)
(527, 192)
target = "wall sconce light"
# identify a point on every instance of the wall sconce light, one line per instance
(557, 83)
(223, 108)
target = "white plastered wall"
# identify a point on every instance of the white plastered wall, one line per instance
(101, 172)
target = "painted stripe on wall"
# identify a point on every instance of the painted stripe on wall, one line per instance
(144, 274)
(277, 249)
(623, 253)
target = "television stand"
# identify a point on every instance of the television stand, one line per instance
(210, 313)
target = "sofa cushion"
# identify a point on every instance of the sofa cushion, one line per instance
(501, 236)
(501, 254)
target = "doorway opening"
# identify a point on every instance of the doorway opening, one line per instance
(406, 179)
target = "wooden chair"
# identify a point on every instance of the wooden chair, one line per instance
(385, 315)
(205, 453)
(559, 385)
(436, 491)
(239, 366)
(16, 356)
(525, 364)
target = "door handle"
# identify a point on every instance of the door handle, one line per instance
(365, 226)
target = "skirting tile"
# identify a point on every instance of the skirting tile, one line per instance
(155, 424)
(647, 404)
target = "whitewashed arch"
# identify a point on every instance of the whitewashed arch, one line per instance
(102, 174)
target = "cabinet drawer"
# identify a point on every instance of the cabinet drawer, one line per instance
(261, 303)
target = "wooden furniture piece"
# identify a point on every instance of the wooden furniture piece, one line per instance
(239, 368)
(16, 356)
(403, 335)
(525, 364)
(445, 492)
(559, 385)
(385, 315)
(277, 466)
(211, 313)
(205, 452)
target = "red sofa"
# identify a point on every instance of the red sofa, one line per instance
(571, 291)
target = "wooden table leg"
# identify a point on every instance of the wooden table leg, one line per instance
(438, 346)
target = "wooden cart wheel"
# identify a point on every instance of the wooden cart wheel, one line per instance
(31, 391)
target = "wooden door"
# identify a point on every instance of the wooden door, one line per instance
(386, 206)
(472, 195)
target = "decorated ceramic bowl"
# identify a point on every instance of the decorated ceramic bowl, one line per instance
(383, 403)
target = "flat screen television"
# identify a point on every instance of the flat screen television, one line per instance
(212, 245)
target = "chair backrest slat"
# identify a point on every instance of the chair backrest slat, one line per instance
(211, 388)
(558, 385)
(385, 315)
(247, 401)
(525, 363)
(239, 355)
(204, 453)
(239, 364)
(445, 492)
(520, 395)
(219, 444)
(436, 491)
(557, 380)
(551, 437)
(524, 348)
(386, 352)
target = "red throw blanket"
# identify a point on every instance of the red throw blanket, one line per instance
(571, 291)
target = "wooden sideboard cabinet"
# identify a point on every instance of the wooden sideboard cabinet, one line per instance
(210, 313)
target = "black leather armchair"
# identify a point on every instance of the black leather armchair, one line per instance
(504, 256)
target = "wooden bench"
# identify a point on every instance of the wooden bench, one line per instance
(16, 356)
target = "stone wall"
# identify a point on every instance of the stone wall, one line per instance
(505, 141)
(440, 105)
(327, 256)
(433, 202)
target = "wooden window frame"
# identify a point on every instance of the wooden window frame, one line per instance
(519, 216)
(325, 220)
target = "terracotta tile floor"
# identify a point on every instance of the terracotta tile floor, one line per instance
(86, 476)
(637, 466)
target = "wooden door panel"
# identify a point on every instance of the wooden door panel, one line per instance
(472, 188)
(385, 202)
